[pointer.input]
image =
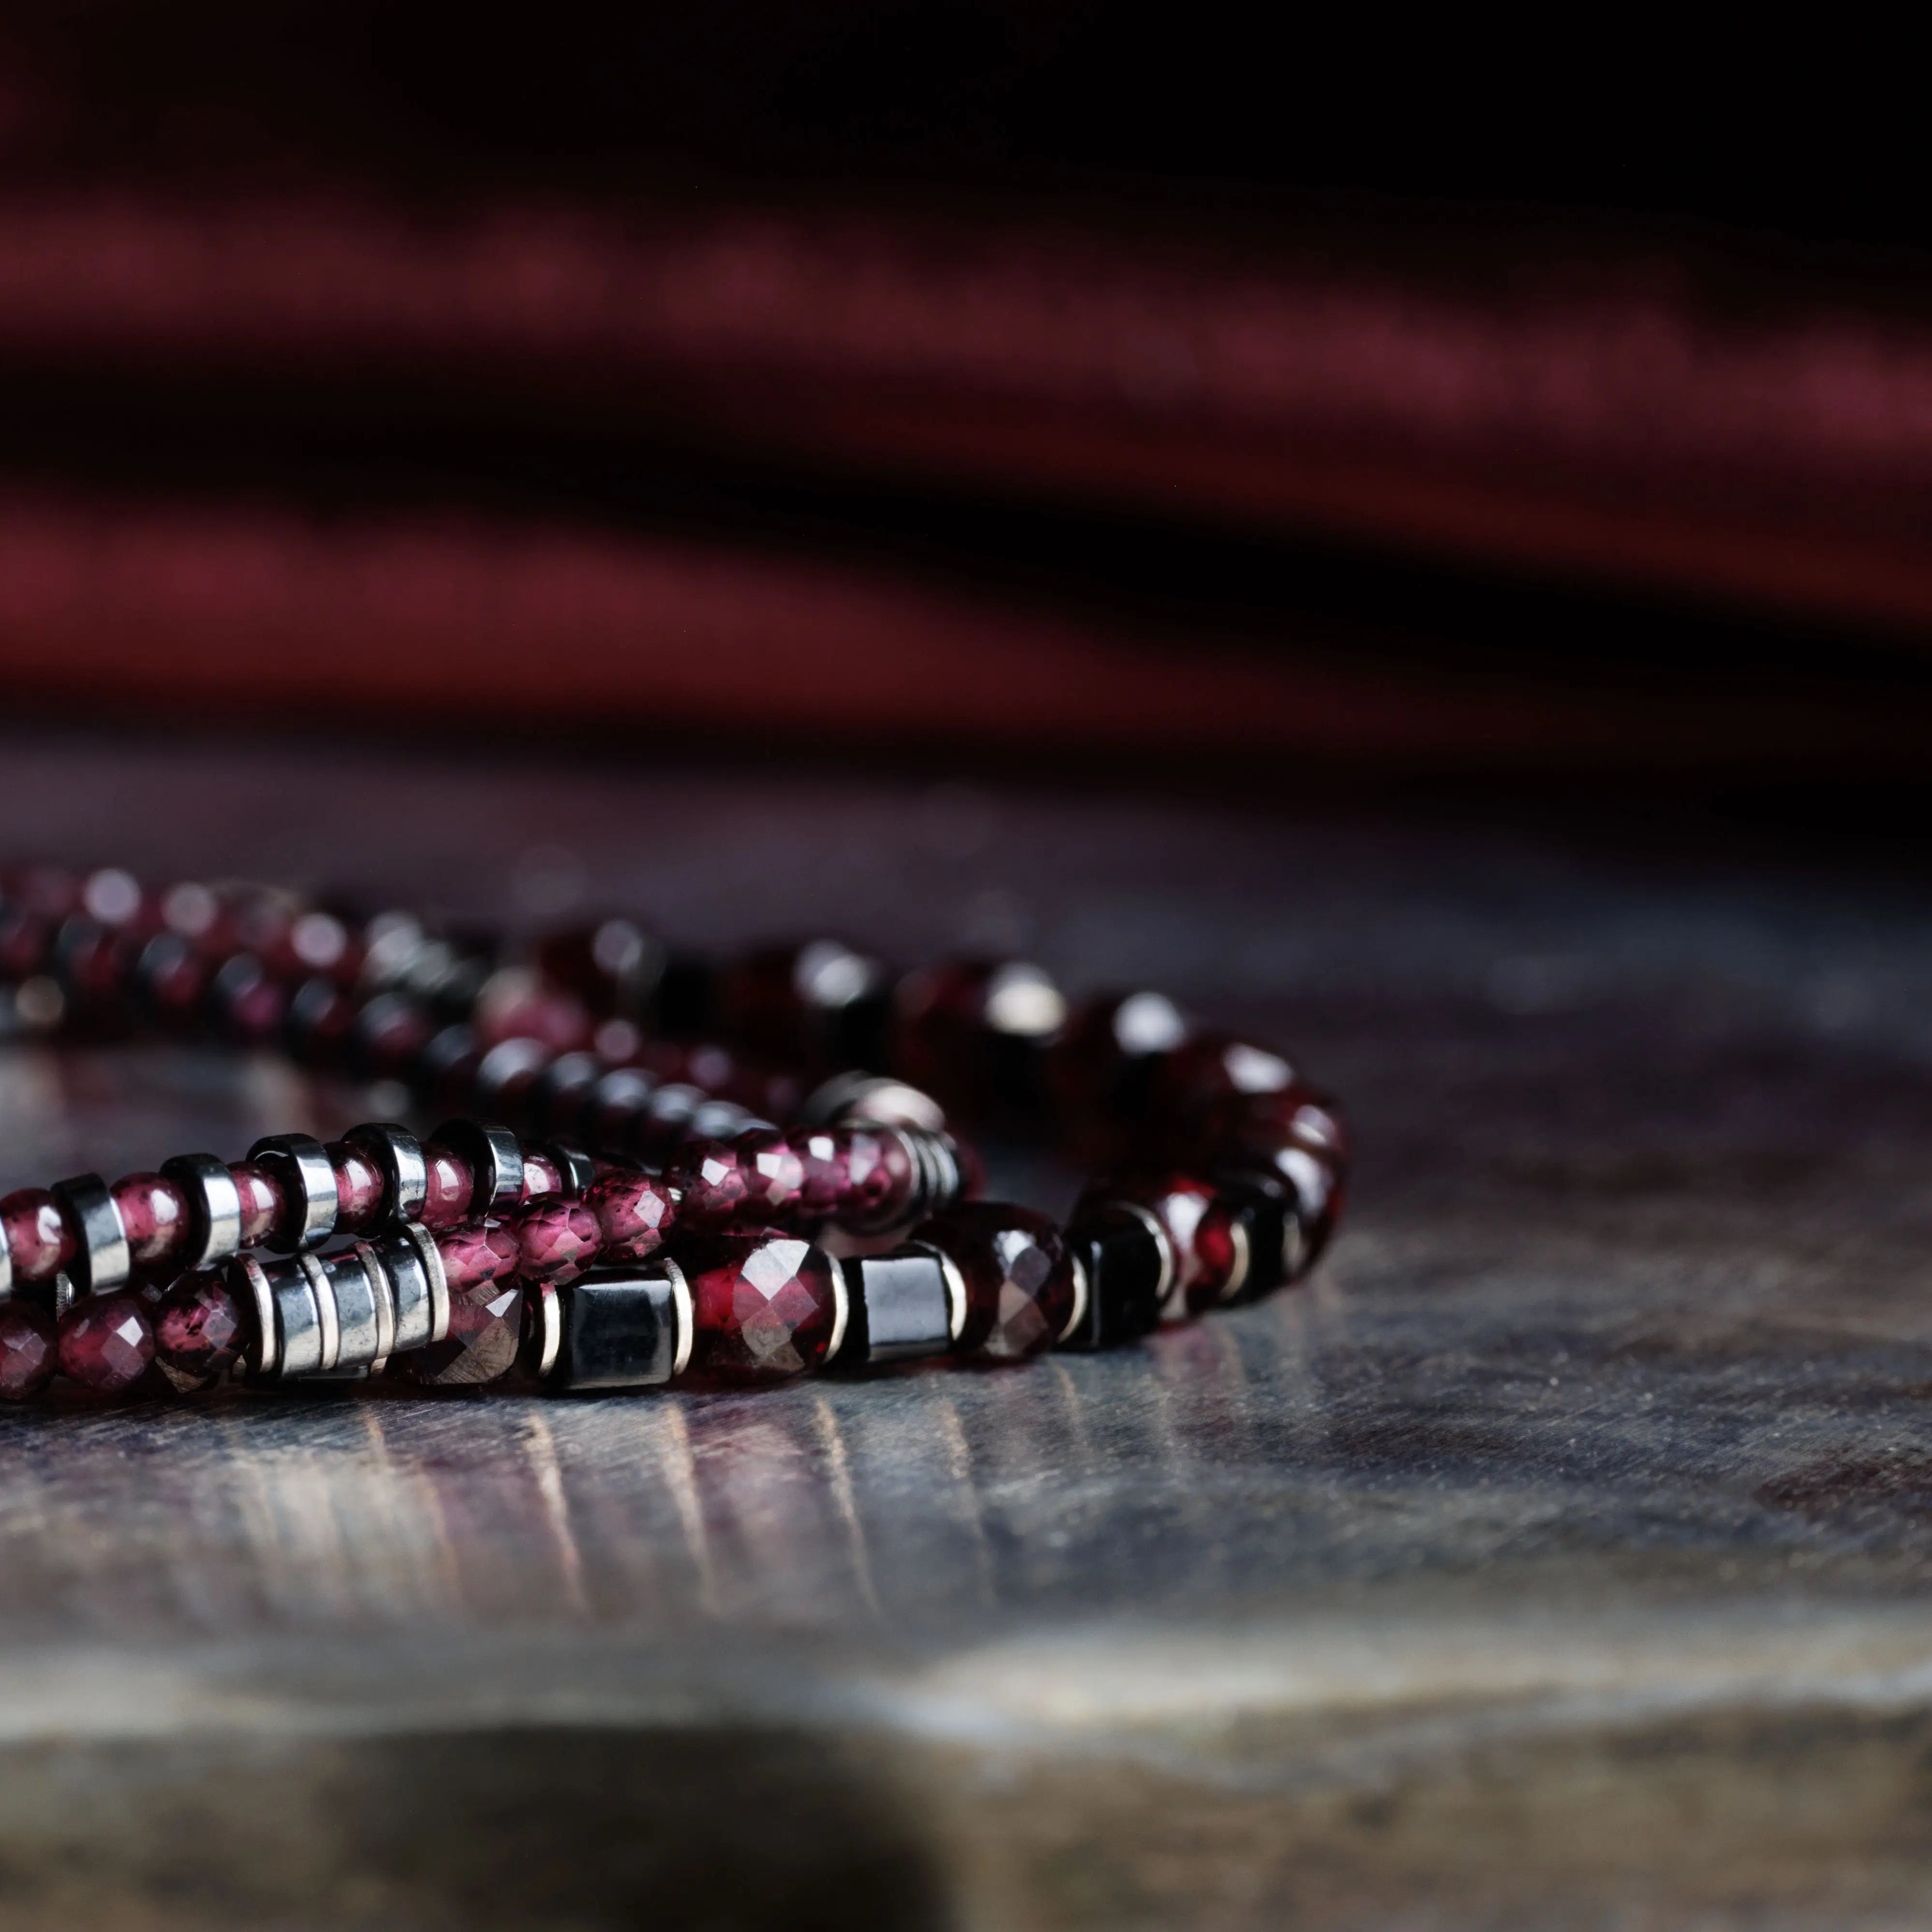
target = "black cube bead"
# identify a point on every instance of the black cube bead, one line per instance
(620, 1330)
(1265, 1206)
(1128, 1265)
(899, 1307)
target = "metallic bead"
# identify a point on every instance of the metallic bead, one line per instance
(578, 1170)
(365, 1322)
(101, 1261)
(398, 1156)
(248, 1283)
(6, 1269)
(623, 1328)
(299, 1346)
(496, 1161)
(301, 1163)
(328, 1317)
(872, 1099)
(904, 1304)
(418, 1289)
(543, 1330)
(1127, 1264)
(214, 1208)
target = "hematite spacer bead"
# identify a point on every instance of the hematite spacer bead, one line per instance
(214, 1208)
(904, 1304)
(398, 1156)
(496, 1159)
(1130, 1266)
(351, 1291)
(1264, 1210)
(308, 1177)
(101, 1261)
(418, 1289)
(577, 1170)
(623, 1328)
(248, 1283)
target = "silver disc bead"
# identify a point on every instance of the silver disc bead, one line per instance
(213, 1207)
(101, 1261)
(301, 1163)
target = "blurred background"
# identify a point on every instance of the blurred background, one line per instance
(1266, 402)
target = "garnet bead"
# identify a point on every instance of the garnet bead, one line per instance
(635, 1214)
(198, 1332)
(263, 1202)
(28, 1352)
(106, 1341)
(450, 1184)
(763, 1307)
(555, 1239)
(1019, 1276)
(753, 1179)
(359, 1188)
(154, 1214)
(484, 1333)
(476, 1255)
(38, 1239)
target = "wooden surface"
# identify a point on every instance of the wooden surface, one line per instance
(1559, 1556)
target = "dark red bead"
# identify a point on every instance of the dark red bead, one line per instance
(359, 1188)
(106, 1341)
(635, 1214)
(1103, 1070)
(262, 1203)
(975, 1034)
(556, 1239)
(450, 1184)
(764, 1305)
(198, 1330)
(476, 1255)
(154, 1214)
(39, 1242)
(862, 1178)
(485, 1332)
(751, 1181)
(29, 1354)
(1018, 1277)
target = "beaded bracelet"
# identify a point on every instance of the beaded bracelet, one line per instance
(647, 1224)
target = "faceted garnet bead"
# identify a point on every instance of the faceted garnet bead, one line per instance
(1019, 1276)
(763, 1307)
(635, 1214)
(556, 1240)
(749, 1181)
(28, 1353)
(477, 1255)
(862, 1178)
(198, 1331)
(106, 1341)
(485, 1329)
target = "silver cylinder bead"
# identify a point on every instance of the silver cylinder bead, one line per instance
(301, 1163)
(101, 1261)
(213, 1207)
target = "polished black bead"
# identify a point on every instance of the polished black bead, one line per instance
(621, 1329)
(1129, 1268)
(1265, 1206)
(899, 1307)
